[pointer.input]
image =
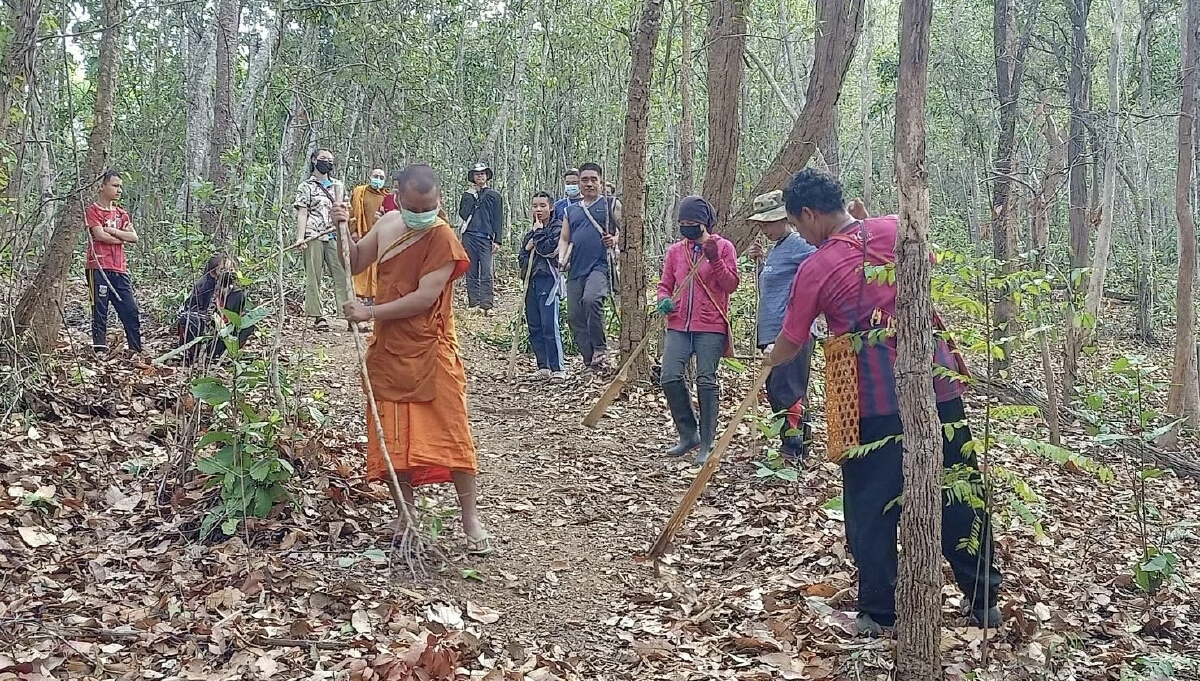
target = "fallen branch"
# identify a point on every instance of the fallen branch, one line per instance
(707, 470)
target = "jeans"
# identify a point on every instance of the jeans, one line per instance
(105, 286)
(585, 302)
(679, 348)
(871, 482)
(319, 257)
(541, 312)
(480, 284)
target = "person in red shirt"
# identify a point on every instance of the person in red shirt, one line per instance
(108, 230)
(833, 282)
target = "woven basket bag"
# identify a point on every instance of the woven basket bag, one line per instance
(841, 397)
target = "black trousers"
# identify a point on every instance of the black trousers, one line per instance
(193, 323)
(787, 392)
(107, 286)
(480, 284)
(871, 482)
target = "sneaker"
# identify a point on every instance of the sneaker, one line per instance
(489, 312)
(542, 374)
(869, 628)
(558, 375)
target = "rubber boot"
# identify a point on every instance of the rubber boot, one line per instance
(710, 407)
(680, 403)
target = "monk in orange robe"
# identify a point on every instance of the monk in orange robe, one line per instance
(365, 203)
(413, 357)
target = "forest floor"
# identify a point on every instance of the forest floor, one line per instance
(102, 581)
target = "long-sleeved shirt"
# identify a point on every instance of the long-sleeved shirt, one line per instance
(775, 284)
(483, 213)
(702, 305)
(545, 250)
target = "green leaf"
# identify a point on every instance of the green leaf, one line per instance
(376, 556)
(263, 501)
(347, 561)
(789, 474)
(230, 526)
(261, 469)
(216, 436)
(468, 573)
(253, 317)
(210, 391)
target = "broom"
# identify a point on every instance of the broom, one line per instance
(618, 383)
(706, 471)
(516, 339)
(411, 542)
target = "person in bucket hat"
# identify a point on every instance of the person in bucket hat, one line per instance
(787, 386)
(481, 210)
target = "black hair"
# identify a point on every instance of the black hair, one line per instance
(421, 176)
(570, 172)
(213, 263)
(592, 166)
(110, 174)
(397, 176)
(542, 195)
(813, 189)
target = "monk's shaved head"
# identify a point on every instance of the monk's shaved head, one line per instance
(419, 178)
(419, 188)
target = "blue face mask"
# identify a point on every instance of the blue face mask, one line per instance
(572, 190)
(419, 221)
(377, 182)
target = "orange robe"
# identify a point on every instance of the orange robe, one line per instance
(365, 201)
(416, 371)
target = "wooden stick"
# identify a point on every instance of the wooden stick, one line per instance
(406, 516)
(756, 431)
(516, 339)
(707, 470)
(285, 249)
(618, 383)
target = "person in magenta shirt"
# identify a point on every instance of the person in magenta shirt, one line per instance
(833, 282)
(108, 230)
(697, 322)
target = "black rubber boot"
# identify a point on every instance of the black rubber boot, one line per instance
(710, 407)
(680, 403)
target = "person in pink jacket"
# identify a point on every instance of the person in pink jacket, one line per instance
(697, 312)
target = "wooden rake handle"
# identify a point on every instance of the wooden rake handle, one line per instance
(707, 470)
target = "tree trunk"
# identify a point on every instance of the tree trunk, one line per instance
(919, 582)
(1141, 198)
(220, 211)
(1009, 51)
(632, 162)
(17, 68)
(1053, 177)
(831, 148)
(687, 117)
(1078, 11)
(198, 47)
(1182, 399)
(510, 93)
(39, 310)
(866, 95)
(839, 23)
(726, 45)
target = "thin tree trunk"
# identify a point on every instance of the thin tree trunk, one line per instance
(1141, 198)
(634, 324)
(218, 215)
(919, 582)
(830, 146)
(839, 23)
(726, 45)
(1078, 11)
(20, 60)
(687, 117)
(1182, 399)
(510, 93)
(198, 48)
(866, 96)
(39, 310)
(789, 106)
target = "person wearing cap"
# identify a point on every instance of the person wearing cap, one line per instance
(697, 323)
(481, 210)
(834, 282)
(571, 193)
(787, 385)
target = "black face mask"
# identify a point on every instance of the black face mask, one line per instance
(323, 167)
(690, 232)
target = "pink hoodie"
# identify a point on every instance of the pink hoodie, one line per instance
(695, 308)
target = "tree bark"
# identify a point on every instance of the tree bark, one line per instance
(726, 47)
(919, 582)
(866, 95)
(198, 47)
(687, 117)
(17, 67)
(1054, 176)
(39, 310)
(839, 23)
(634, 322)
(1078, 11)
(1182, 399)
(219, 212)
(1141, 197)
(514, 86)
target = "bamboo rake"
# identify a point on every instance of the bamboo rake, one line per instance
(756, 431)
(516, 339)
(618, 383)
(707, 470)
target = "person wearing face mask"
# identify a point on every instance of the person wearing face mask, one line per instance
(315, 198)
(571, 193)
(413, 362)
(787, 385)
(365, 203)
(697, 325)
(214, 293)
(482, 212)
(834, 282)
